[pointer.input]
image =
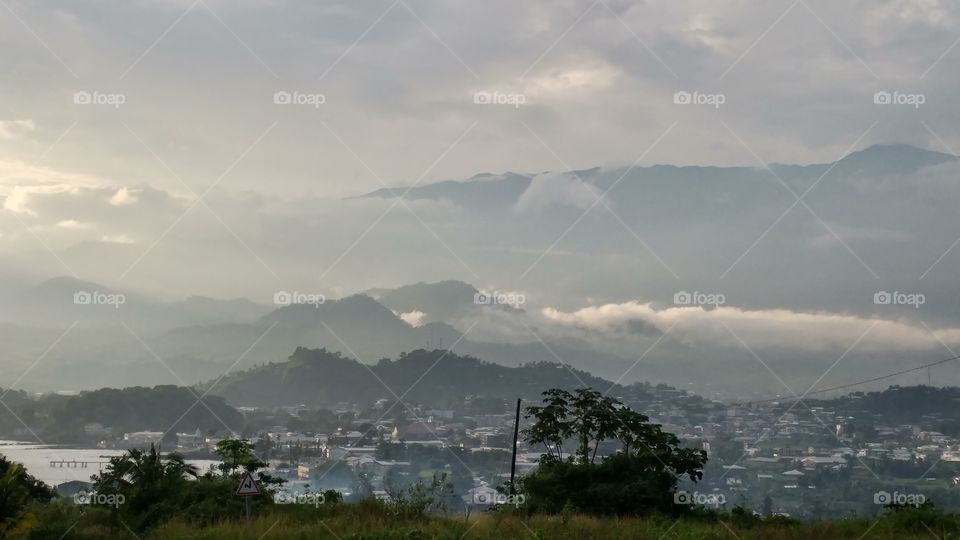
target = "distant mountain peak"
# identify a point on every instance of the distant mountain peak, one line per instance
(891, 158)
(63, 287)
(898, 151)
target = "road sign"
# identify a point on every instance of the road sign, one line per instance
(248, 487)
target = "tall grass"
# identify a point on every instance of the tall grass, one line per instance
(357, 525)
(372, 520)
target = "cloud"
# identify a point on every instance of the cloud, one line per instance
(117, 239)
(413, 318)
(15, 129)
(760, 329)
(72, 224)
(123, 196)
(841, 234)
(555, 190)
(19, 197)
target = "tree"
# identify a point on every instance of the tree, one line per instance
(17, 490)
(236, 456)
(641, 477)
(143, 486)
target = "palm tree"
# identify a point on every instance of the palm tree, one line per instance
(13, 498)
(143, 470)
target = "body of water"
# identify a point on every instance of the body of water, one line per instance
(36, 458)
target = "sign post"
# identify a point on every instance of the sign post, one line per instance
(248, 488)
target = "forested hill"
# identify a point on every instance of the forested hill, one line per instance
(54, 418)
(319, 378)
(938, 407)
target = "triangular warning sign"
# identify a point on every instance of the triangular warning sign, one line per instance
(248, 486)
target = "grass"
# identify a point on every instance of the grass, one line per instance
(352, 525)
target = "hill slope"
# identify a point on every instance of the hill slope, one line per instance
(319, 378)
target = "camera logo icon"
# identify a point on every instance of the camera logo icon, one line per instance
(282, 98)
(882, 98)
(82, 298)
(82, 98)
(683, 298)
(682, 497)
(882, 298)
(882, 497)
(482, 98)
(682, 98)
(282, 298)
(483, 299)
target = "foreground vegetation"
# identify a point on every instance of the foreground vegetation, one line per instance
(371, 520)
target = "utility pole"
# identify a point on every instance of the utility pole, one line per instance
(513, 461)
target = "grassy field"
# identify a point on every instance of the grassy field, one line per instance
(356, 526)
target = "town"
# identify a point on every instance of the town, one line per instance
(784, 457)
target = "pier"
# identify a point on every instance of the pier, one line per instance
(74, 464)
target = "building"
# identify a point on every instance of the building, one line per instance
(190, 440)
(139, 439)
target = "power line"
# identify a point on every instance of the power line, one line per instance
(865, 381)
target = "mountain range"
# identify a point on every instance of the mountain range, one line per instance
(877, 219)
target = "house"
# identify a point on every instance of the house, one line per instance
(812, 462)
(71, 488)
(190, 440)
(415, 431)
(139, 439)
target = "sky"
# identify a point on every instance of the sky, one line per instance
(398, 80)
(216, 147)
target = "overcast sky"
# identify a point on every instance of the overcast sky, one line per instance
(183, 104)
(213, 147)
(399, 78)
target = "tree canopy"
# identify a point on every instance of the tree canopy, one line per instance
(641, 476)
